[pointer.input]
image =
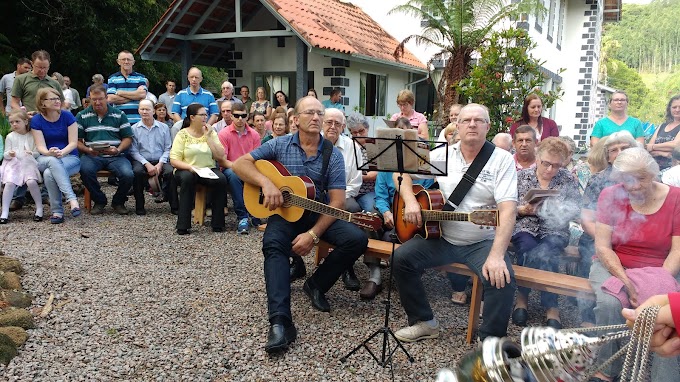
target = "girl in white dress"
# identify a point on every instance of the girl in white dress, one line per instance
(19, 166)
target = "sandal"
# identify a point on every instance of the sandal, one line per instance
(75, 212)
(459, 298)
(56, 219)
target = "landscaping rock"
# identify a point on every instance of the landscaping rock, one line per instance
(10, 280)
(16, 334)
(7, 349)
(16, 298)
(9, 264)
(16, 317)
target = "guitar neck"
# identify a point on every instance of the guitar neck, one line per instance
(320, 208)
(434, 215)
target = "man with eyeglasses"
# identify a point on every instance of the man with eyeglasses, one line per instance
(525, 147)
(104, 135)
(194, 93)
(228, 93)
(25, 87)
(238, 139)
(303, 155)
(484, 251)
(127, 87)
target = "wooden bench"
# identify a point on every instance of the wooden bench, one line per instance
(199, 203)
(527, 277)
(87, 196)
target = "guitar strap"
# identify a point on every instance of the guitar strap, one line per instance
(326, 152)
(470, 176)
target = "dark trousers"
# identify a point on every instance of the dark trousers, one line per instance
(350, 242)
(142, 180)
(120, 167)
(544, 254)
(418, 254)
(586, 248)
(187, 181)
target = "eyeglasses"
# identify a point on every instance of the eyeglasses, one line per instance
(226, 111)
(225, 88)
(54, 99)
(619, 100)
(359, 132)
(126, 59)
(331, 123)
(202, 114)
(617, 149)
(240, 115)
(475, 121)
(547, 165)
(311, 113)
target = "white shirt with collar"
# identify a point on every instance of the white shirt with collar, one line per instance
(350, 152)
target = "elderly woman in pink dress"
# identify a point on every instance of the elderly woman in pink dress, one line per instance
(406, 100)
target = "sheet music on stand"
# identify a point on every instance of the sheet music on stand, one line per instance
(383, 153)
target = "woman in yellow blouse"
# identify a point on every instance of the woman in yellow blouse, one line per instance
(196, 147)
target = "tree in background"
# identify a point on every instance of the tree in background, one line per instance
(505, 74)
(458, 28)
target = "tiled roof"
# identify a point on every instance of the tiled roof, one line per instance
(323, 24)
(341, 27)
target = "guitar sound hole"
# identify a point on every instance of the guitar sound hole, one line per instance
(286, 197)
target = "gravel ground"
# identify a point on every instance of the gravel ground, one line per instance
(135, 301)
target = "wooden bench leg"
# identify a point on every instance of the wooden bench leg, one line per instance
(199, 204)
(475, 304)
(321, 252)
(88, 199)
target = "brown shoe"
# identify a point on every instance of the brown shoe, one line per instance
(370, 290)
(120, 209)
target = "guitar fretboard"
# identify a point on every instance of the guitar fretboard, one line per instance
(314, 206)
(433, 215)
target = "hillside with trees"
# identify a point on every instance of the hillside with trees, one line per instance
(641, 55)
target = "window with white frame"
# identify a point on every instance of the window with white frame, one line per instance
(372, 94)
(551, 19)
(560, 23)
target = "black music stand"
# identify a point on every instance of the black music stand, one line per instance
(415, 150)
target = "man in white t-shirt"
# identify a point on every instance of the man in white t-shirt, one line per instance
(484, 251)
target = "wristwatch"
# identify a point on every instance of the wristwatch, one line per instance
(314, 237)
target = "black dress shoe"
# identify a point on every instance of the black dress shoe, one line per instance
(553, 323)
(297, 269)
(4, 220)
(37, 218)
(140, 211)
(218, 229)
(370, 290)
(350, 280)
(520, 316)
(317, 298)
(279, 337)
(182, 231)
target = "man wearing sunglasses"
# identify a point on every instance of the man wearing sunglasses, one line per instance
(238, 139)
(303, 154)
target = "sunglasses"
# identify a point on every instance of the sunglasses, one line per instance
(239, 115)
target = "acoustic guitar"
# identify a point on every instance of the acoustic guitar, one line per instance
(431, 204)
(298, 196)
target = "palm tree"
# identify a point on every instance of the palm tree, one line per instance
(458, 28)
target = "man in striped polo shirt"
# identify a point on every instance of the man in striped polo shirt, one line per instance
(194, 93)
(127, 87)
(104, 134)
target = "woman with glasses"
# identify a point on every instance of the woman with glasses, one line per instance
(406, 100)
(637, 241)
(56, 136)
(542, 226)
(666, 137)
(196, 145)
(617, 120)
(532, 111)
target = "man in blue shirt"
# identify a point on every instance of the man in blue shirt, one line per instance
(302, 154)
(335, 101)
(150, 152)
(126, 87)
(194, 93)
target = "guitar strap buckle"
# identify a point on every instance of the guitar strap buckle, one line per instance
(469, 178)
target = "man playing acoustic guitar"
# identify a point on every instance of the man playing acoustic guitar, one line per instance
(303, 155)
(463, 242)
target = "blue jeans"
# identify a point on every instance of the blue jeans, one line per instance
(366, 202)
(350, 242)
(57, 178)
(543, 253)
(20, 193)
(418, 254)
(120, 167)
(236, 188)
